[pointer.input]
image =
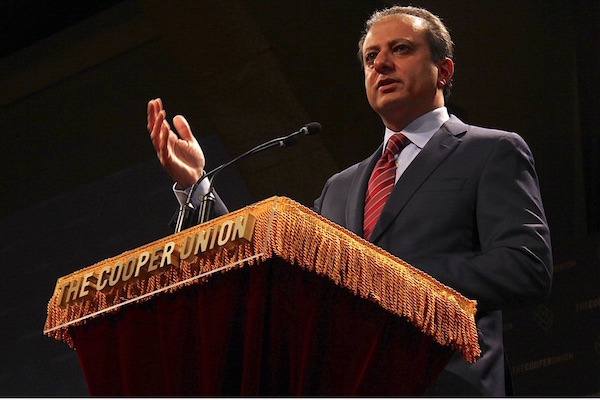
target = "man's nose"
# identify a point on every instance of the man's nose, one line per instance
(383, 62)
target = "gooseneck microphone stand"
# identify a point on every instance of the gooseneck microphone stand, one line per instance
(207, 201)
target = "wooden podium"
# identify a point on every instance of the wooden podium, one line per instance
(269, 300)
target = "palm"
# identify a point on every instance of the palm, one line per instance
(184, 159)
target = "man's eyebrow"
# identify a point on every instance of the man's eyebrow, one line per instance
(391, 42)
(401, 39)
(371, 47)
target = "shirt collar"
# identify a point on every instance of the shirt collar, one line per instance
(422, 129)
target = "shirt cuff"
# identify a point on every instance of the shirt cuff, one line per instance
(182, 194)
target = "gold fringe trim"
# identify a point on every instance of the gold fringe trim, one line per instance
(301, 237)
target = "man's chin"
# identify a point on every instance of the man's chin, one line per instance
(390, 103)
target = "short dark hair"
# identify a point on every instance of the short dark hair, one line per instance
(437, 34)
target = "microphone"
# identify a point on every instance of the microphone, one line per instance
(208, 199)
(285, 141)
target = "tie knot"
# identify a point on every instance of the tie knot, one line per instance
(395, 144)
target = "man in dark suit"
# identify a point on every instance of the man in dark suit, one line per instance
(464, 206)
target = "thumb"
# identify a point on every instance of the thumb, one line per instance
(183, 128)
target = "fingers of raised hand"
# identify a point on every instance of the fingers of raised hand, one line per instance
(162, 140)
(154, 109)
(157, 128)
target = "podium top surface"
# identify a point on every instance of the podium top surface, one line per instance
(275, 227)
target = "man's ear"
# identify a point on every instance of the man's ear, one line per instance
(445, 72)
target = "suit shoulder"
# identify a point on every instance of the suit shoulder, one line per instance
(344, 175)
(459, 128)
(494, 136)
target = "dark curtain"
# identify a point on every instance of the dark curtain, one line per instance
(271, 329)
(587, 31)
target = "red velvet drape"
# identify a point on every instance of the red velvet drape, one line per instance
(270, 329)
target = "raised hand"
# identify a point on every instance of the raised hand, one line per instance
(179, 153)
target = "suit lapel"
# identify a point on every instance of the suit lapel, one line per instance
(441, 144)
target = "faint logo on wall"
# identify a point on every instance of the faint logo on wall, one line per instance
(546, 362)
(587, 305)
(564, 266)
(543, 316)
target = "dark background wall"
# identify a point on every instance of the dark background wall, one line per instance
(81, 182)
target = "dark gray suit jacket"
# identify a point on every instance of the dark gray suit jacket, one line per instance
(468, 212)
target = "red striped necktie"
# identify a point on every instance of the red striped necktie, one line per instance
(382, 182)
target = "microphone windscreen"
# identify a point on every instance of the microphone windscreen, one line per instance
(313, 128)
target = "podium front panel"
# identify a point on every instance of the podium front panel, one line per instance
(303, 307)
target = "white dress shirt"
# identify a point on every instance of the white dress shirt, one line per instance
(418, 132)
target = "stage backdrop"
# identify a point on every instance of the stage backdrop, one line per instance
(80, 181)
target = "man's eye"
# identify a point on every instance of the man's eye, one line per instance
(401, 48)
(370, 57)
